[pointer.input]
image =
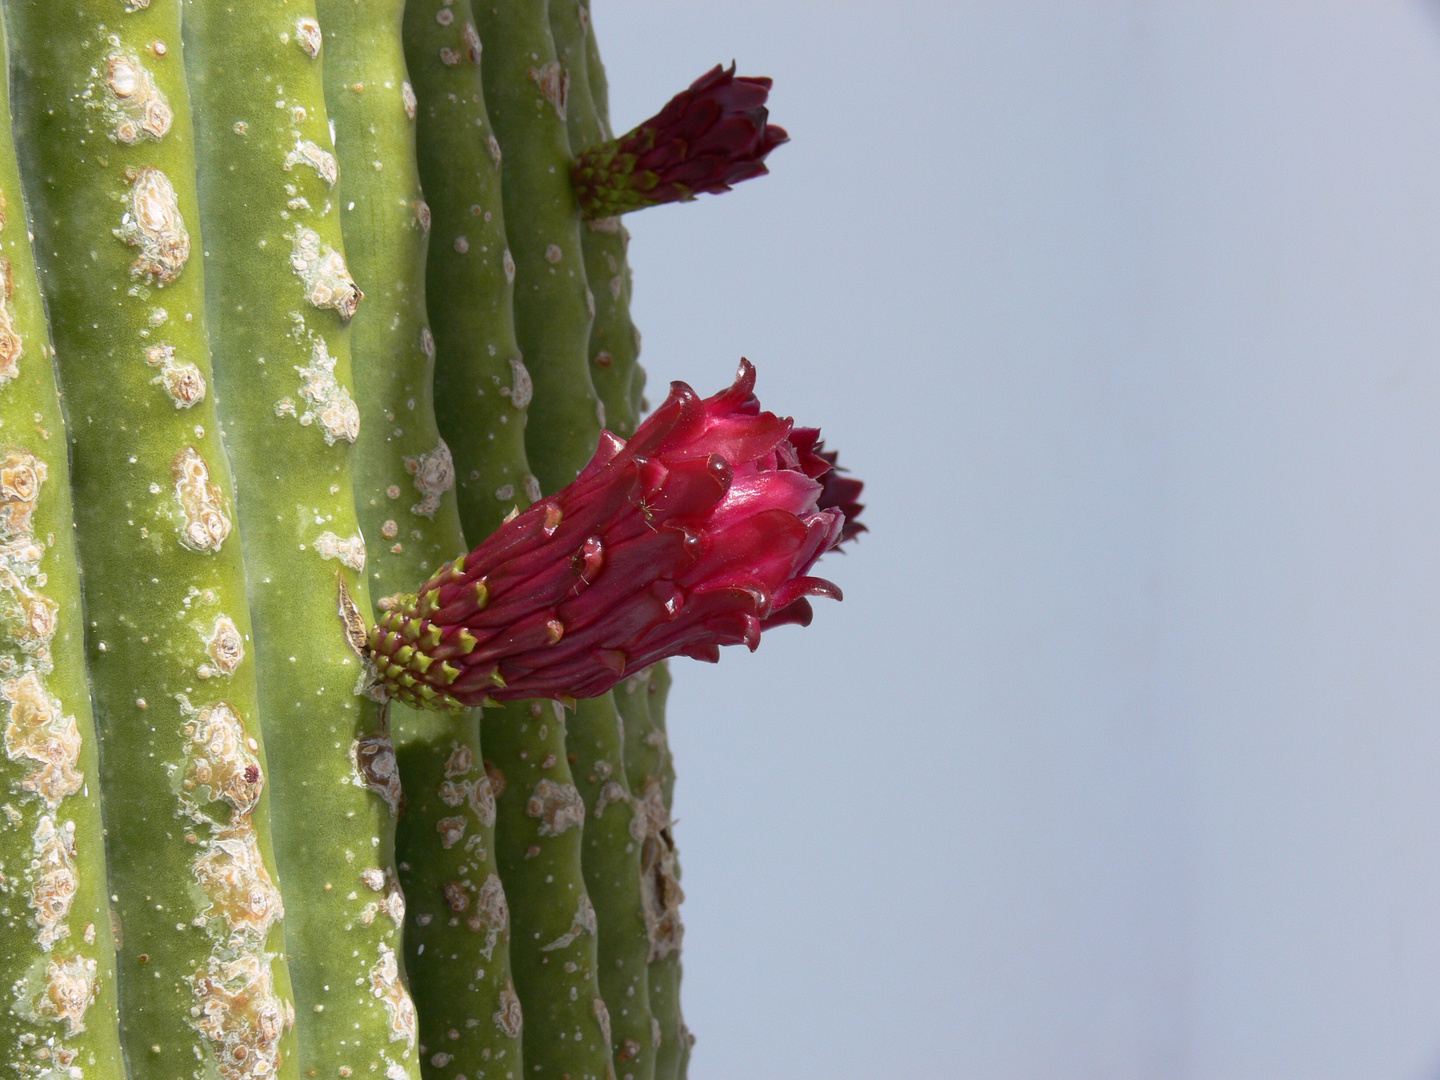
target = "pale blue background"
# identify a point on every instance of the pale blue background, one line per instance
(1122, 757)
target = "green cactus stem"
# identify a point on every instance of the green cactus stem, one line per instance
(540, 817)
(526, 91)
(57, 955)
(614, 342)
(102, 109)
(641, 700)
(457, 934)
(614, 834)
(280, 296)
(482, 384)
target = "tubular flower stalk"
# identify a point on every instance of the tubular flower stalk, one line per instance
(706, 138)
(698, 532)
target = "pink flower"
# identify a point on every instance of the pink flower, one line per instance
(698, 532)
(708, 137)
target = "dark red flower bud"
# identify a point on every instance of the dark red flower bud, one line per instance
(708, 137)
(698, 532)
(836, 490)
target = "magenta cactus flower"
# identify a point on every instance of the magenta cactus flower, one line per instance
(706, 138)
(698, 532)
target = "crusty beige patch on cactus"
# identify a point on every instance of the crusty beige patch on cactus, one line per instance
(233, 875)
(451, 830)
(152, 223)
(182, 380)
(224, 646)
(407, 99)
(481, 798)
(12, 347)
(554, 83)
(557, 806)
(21, 474)
(434, 475)
(221, 761)
(69, 990)
(522, 387)
(385, 985)
(53, 878)
(611, 792)
(202, 506)
(38, 732)
(330, 402)
(307, 35)
(134, 107)
(349, 550)
(660, 892)
(492, 914)
(308, 153)
(393, 902)
(582, 923)
(373, 757)
(238, 1011)
(325, 277)
(508, 1018)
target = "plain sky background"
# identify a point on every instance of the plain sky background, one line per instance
(1121, 758)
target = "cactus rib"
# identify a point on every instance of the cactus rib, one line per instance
(614, 345)
(526, 91)
(280, 295)
(457, 934)
(57, 960)
(106, 116)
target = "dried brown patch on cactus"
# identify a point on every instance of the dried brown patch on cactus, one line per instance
(451, 830)
(407, 99)
(221, 759)
(557, 806)
(330, 402)
(21, 474)
(660, 892)
(12, 347)
(373, 757)
(582, 923)
(491, 915)
(352, 621)
(610, 792)
(385, 985)
(233, 875)
(308, 153)
(481, 798)
(460, 761)
(202, 506)
(135, 107)
(522, 387)
(38, 732)
(225, 646)
(307, 36)
(434, 475)
(554, 83)
(182, 380)
(239, 1012)
(152, 223)
(53, 878)
(349, 550)
(323, 272)
(508, 1017)
(68, 992)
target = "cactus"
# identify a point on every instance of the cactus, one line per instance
(344, 755)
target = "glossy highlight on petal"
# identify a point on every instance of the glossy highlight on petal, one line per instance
(699, 532)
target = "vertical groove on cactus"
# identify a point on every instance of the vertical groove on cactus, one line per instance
(57, 955)
(105, 118)
(526, 92)
(280, 296)
(641, 700)
(614, 345)
(613, 837)
(457, 934)
(482, 385)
